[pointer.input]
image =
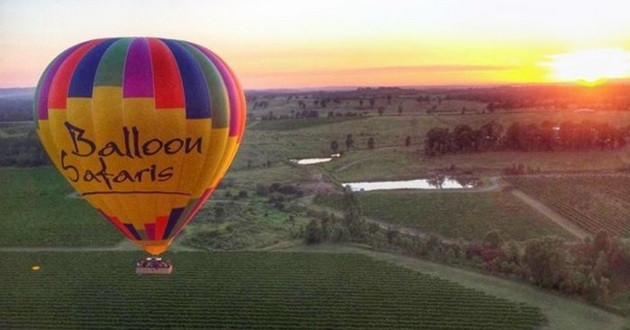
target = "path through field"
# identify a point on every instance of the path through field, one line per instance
(551, 214)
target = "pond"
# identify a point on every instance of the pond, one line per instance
(426, 184)
(309, 161)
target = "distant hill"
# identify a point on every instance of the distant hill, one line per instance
(17, 92)
(16, 104)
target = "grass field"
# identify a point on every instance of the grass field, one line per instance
(279, 140)
(294, 124)
(595, 202)
(16, 129)
(411, 163)
(453, 215)
(276, 141)
(36, 209)
(243, 290)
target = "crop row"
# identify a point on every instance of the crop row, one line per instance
(468, 216)
(592, 202)
(242, 290)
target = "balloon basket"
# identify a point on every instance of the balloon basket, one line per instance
(153, 266)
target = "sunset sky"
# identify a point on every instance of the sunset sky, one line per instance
(277, 44)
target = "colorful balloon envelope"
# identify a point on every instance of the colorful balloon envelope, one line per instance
(143, 128)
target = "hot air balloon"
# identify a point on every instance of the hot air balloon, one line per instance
(143, 128)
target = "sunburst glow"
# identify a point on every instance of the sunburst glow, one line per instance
(591, 65)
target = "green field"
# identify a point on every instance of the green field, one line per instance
(453, 215)
(278, 141)
(593, 202)
(242, 290)
(411, 163)
(293, 124)
(38, 208)
(18, 129)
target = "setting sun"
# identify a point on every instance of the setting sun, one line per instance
(590, 66)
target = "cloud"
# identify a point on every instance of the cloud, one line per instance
(388, 70)
(432, 68)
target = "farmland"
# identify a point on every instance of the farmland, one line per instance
(38, 208)
(593, 202)
(246, 288)
(243, 290)
(50, 214)
(454, 215)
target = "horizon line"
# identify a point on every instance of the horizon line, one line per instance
(445, 85)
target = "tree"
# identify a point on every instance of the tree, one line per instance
(372, 101)
(547, 261)
(389, 99)
(601, 267)
(490, 134)
(601, 243)
(438, 141)
(400, 109)
(349, 141)
(313, 232)
(512, 252)
(512, 136)
(327, 224)
(381, 110)
(408, 141)
(352, 216)
(463, 139)
(334, 145)
(493, 239)
(530, 137)
(370, 143)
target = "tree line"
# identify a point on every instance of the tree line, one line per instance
(16, 109)
(22, 151)
(606, 96)
(546, 136)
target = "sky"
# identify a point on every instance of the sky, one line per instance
(294, 44)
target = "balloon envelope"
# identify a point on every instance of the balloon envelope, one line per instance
(143, 128)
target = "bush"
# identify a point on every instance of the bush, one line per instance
(313, 232)
(262, 190)
(493, 239)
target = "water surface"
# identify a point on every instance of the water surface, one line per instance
(309, 161)
(427, 184)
